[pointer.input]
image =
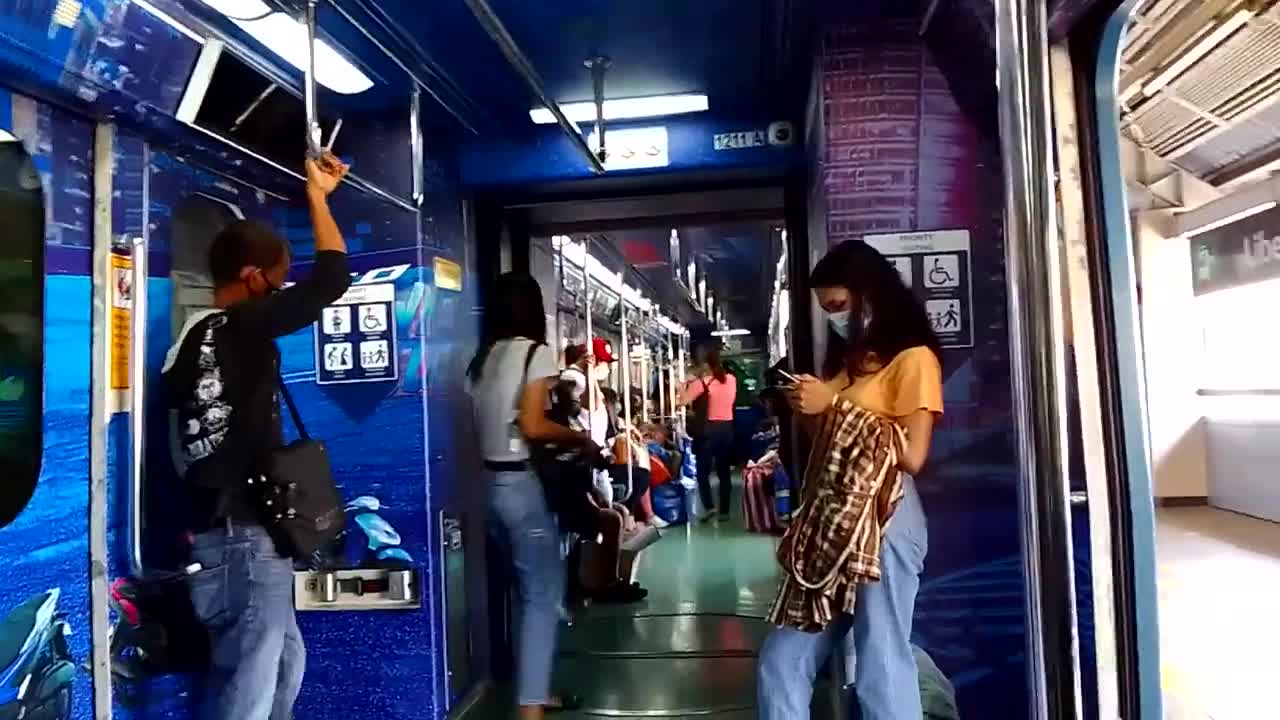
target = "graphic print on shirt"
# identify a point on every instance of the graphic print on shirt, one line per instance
(206, 415)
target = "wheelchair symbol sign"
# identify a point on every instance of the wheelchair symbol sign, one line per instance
(373, 318)
(942, 271)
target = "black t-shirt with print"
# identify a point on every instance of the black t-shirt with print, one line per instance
(223, 387)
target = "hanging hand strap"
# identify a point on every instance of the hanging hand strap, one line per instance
(293, 409)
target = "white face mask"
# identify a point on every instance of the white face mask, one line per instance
(840, 322)
(602, 372)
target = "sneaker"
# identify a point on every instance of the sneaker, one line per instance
(708, 516)
(658, 522)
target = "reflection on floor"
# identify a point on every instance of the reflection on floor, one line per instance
(1219, 581)
(689, 651)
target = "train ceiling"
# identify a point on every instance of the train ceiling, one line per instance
(739, 259)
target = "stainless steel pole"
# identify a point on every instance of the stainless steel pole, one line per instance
(586, 294)
(313, 116)
(416, 146)
(626, 389)
(137, 397)
(1038, 354)
(492, 25)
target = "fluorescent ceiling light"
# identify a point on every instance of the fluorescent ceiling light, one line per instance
(1202, 47)
(731, 333)
(287, 38)
(1235, 217)
(624, 109)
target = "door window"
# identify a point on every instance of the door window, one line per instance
(21, 328)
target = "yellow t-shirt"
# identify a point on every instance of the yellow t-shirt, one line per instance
(911, 381)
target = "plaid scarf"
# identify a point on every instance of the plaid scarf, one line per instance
(833, 543)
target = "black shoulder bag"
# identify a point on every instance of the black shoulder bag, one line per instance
(564, 482)
(301, 504)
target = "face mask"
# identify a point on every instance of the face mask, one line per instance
(602, 372)
(270, 290)
(840, 323)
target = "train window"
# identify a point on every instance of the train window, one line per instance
(21, 328)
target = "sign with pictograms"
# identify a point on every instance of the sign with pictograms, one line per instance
(356, 337)
(936, 265)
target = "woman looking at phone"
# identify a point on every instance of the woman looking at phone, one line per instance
(883, 357)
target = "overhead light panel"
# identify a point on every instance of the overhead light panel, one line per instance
(1196, 52)
(737, 332)
(624, 108)
(287, 37)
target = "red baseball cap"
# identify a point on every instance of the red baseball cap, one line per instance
(602, 350)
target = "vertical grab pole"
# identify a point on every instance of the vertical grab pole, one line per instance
(662, 378)
(680, 369)
(586, 294)
(416, 149)
(626, 389)
(314, 148)
(1038, 352)
(644, 378)
(137, 401)
(558, 242)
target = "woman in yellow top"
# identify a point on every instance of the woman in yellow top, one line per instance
(882, 356)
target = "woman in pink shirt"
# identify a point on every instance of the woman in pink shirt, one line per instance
(713, 443)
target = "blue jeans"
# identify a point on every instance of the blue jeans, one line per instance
(244, 596)
(523, 525)
(878, 650)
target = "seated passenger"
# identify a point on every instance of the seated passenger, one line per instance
(605, 572)
(223, 381)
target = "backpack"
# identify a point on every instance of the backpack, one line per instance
(699, 410)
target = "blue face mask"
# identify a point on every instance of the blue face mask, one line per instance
(840, 323)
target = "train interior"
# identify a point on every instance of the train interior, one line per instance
(1078, 191)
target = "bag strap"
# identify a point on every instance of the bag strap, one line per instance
(528, 361)
(293, 409)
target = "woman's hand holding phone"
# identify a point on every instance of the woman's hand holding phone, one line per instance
(811, 396)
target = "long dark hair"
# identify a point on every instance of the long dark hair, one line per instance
(514, 309)
(718, 370)
(887, 317)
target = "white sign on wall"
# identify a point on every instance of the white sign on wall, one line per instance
(936, 266)
(634, 148)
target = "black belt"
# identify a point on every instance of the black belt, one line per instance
(506, 465)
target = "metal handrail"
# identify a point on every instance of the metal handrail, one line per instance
(314, 146)
(520, 63)
(1038, 355)
(137, 398)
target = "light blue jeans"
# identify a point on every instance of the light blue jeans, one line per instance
(244, 596)
(523, 525)
(877, 653)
